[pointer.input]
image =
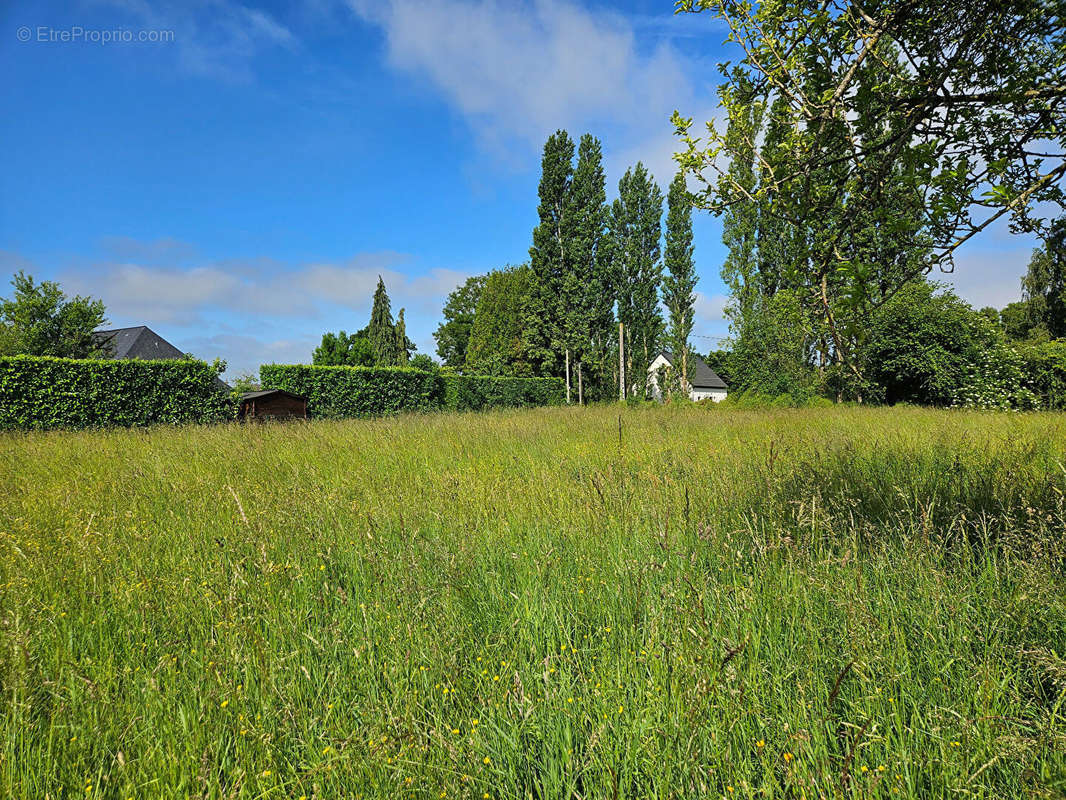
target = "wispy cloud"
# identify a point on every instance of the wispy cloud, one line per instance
(516, 73)
(249, 311)
(212, 38)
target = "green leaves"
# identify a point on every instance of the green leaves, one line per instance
(343, 392)
(453, 335)
(39, 393)
(40, 320)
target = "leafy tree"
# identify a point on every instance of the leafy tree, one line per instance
(496, 338)
(740, 221)
(41, 320)
(586, 305)
(680, 279)
(453, 334)
(635, 229)
(544, 336)
(245, 382)
(1044, 368)
(721, 362)
(340, 349)
(382, 330)
(770, 357)
(909, 128)
(423, 362)
(1044, 285)
(1016, 320)
(927, 346)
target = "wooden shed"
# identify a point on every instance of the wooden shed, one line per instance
(272, 404)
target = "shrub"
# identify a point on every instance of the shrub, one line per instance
(374, 391)
(1044, 366)
(40, 392)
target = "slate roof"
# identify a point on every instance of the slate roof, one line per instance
(699, 374)
(139, 342)
(143, 343)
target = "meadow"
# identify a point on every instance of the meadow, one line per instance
(674, 602)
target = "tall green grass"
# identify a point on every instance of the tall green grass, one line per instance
(553, 603)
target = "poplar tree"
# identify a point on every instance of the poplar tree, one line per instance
(586, 298)
(544, 340)
(382, 331)
(680, 279)
(635, 232)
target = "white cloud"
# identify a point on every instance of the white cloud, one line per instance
(253, 311)
(245, 353)
(212, 38)
(519, 72)
(261, 286)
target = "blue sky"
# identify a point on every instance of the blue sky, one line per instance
(240, 187)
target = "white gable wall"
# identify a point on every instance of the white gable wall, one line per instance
(695, 392)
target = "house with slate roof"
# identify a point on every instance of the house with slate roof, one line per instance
(140, 342)
(704, 383)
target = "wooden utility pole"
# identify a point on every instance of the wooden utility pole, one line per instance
(621, 365)
(568, 376)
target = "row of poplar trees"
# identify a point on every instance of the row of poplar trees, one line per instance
(594, 265)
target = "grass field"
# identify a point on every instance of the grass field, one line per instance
(555, 603)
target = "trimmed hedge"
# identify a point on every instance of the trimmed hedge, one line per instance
(41, 393)
(475, 392)
(338, 392)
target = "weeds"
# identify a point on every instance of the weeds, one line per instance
(555, 603)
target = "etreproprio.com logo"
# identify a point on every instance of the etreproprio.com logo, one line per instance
(76, 34)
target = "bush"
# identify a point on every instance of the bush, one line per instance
(40, 393)
(337, 392)
(1044, 366)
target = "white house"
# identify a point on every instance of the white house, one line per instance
(704, 383)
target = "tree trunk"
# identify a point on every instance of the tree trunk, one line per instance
(568, 376)
(684, 369)
(580, 390)
(621, 365)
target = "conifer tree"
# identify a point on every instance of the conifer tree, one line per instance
(382, 331)
(403, 349)
(680, 279)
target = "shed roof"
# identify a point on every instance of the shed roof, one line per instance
(700, 376)
(266, 392)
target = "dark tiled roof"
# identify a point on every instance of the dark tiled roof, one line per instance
(143, 343)
(139, 342)
(265, 392)
(699, 374)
